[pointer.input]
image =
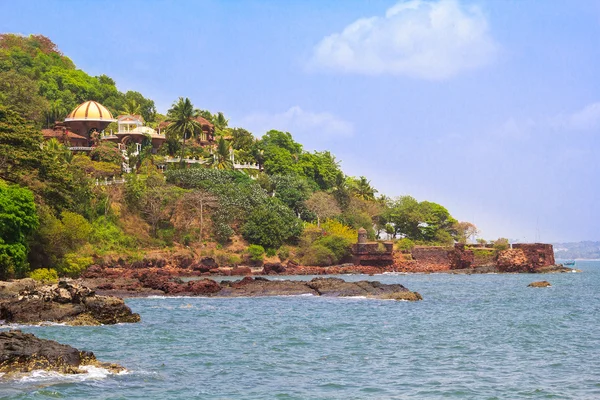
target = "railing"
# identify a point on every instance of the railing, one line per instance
(202, 161)
(113, 181)
(81, 148)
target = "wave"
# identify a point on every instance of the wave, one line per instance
(13, 325)
(88, 372)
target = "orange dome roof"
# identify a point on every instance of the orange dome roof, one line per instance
(90, 111)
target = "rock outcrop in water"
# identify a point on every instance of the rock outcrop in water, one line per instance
(23, 352)
(540, 284)
(253, 287)
(28, 302)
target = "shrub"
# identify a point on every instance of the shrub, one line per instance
(340, 246)
(335, 227)
(44, 275)
(310, 234)
(256, 252)
(234, 260)
(74, 264)
(405, 245)
(283, 253)
(319, 255)
(501, 244)
(271, 252)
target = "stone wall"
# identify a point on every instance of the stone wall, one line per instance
(432, 256)
(538, 254)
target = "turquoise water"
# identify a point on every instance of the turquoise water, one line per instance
(473, 337)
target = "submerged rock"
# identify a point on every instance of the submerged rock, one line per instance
(63, 302)
(539, 284)
(23, 352)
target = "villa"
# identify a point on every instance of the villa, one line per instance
(86, 126)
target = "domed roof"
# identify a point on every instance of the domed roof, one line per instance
(90, 111)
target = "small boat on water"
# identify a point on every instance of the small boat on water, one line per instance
(569, 262)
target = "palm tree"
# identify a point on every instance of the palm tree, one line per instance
(220, 121)
(131, 108)
(182, 121)
(362, 189)
(221, 157)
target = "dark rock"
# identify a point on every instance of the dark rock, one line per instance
(209, 262)
(241, 271)
(273, 268)
(203, 287)
(64, 302)
(23, 352)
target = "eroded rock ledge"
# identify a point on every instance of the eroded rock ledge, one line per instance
(23, 352)
(157, 282)
(28, 302)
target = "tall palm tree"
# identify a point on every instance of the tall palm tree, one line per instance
(182, 121)
(221, 157)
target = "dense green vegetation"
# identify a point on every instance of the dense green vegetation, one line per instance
(300, 206)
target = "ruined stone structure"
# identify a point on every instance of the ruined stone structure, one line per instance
(523, 257)
(371, 253)
(538, 254)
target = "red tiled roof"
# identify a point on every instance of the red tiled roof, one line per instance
(59, 134)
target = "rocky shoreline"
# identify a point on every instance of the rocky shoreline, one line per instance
(23, 352)
(161, 283)
(29, 302)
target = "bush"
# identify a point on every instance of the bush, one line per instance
(74, 264)
(256, 253)
(44, 275)
(283, 253)
(501, 244)
(405, 245)
(319, 255)
(340, 246)
(271, 252)
(335, 227)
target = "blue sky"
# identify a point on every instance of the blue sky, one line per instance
(491, 108)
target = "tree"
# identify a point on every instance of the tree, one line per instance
(271, 224)
(323, 205)
(242, 139)
(182, 124)
(221, 158)
(361, 188)
(464, 231)
(292, 190)
(18, 219)
(191, 207)
(23, 161)
(131, 108)
(21, 93)
(220, 122)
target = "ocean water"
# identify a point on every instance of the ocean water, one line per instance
(472, 337)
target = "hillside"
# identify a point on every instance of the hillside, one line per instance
(55, 218)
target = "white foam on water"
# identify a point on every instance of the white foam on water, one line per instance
(89, 372)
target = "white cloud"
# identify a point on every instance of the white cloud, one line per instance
(583, 120)
(298, 122)
(420, 39)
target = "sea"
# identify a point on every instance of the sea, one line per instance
(472, 337)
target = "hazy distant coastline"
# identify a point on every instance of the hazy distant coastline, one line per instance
(586, 250)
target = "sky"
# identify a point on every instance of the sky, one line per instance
(490, 108)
